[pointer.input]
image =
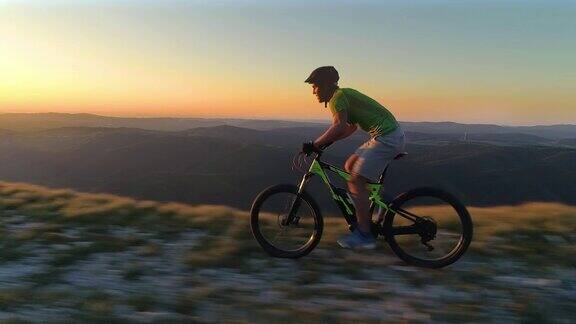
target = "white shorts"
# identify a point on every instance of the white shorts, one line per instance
(374, 155)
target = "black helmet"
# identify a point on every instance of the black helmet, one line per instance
(323, 75)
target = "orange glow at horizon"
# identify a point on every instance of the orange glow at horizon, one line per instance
(169, 59)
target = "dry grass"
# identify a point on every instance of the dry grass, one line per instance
(229, 236)
(70, 205)
(551, 216)
(527, 242)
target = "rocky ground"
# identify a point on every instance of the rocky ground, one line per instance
(66, 256)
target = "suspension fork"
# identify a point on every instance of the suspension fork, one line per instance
(304, 182)
(295, 204)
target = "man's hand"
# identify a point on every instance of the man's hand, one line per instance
(309, 148)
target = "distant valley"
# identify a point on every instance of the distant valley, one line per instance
(229, 164)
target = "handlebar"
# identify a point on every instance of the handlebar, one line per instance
(309, 148)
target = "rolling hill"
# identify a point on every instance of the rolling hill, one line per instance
(230, 165)
(38, 121)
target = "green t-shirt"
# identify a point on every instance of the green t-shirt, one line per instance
(371, 116)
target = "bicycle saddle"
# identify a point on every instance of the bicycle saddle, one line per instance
(400, 155)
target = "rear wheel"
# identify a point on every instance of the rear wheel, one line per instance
(268, 222)
(437, 237)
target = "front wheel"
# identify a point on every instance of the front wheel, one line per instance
(428, 227)
(268, 221)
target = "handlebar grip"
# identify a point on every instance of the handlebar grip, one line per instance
(308, 148)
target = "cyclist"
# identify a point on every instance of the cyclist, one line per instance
(351, 109)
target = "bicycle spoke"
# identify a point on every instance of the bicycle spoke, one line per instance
(446, 233)
(440, 228)
(281, 233)
(287, 237)
(439, 248)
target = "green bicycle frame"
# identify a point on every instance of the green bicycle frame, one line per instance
(340, 196)
(345, 203)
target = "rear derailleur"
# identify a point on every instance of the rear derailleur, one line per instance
(427, 232)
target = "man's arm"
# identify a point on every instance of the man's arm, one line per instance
(350, 129)
(336, 131)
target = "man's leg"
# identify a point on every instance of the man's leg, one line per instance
(361, 237)
(349, 165)
(357, 187)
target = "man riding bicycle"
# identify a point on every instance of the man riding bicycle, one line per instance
(351, 109)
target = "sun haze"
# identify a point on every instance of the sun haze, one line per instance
(504, 62)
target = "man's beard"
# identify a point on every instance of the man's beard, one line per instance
(326, 94)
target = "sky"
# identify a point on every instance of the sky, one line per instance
(484, 61)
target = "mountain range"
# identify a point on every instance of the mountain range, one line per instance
(229, 165)
(38, 121)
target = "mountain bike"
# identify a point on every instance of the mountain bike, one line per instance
(425, 227)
